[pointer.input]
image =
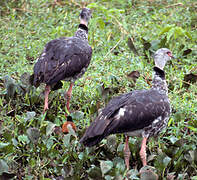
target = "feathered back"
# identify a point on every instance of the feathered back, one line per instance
(128, 112)
(142, 112)
(64, 58)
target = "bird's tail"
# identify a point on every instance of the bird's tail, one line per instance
(97, 131)
(91, 141)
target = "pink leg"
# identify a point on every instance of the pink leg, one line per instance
(143, 152)
(46, 93)
(127, 152)
(68, 96)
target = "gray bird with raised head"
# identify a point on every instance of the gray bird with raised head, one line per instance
(65, 58)
(138, 113)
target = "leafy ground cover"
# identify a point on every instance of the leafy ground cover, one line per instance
(123, 34)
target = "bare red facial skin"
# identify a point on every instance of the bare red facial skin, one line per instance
(170, 54)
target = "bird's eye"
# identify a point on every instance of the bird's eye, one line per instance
(169, 53)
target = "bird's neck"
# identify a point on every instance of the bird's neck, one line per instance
(82, 32)
(159, 81)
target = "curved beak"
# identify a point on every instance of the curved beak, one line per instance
(173, 57)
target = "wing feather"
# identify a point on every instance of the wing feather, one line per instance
(128, 112)
(62, 58)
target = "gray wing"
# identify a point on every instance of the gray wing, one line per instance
(126, 113)
(62, 58)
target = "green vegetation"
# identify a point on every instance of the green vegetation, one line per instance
(123, 34)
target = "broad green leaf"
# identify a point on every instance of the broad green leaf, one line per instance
(81, 155)
(49, 129)
(193, 155)
(2, 145)
(66, 140)
(181, 176)
(77, 115)
(119, 163)
(33, 134)
(155, 44)
(15, 142)
(120, 147)
(106, 166)
(71, 131)
(94, 171)
(165, 29)
(3, 166)
(108, 177)
(133, 174)
(166, 161)
(173, 139)
(24, 139)
(188, 35)
(148, 173)
(50, 142)
(30, 116)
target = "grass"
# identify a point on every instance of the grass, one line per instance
(31, 146)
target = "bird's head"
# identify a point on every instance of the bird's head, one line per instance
(85, 15)
(161, 56)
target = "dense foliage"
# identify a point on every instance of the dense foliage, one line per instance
(123, 34)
